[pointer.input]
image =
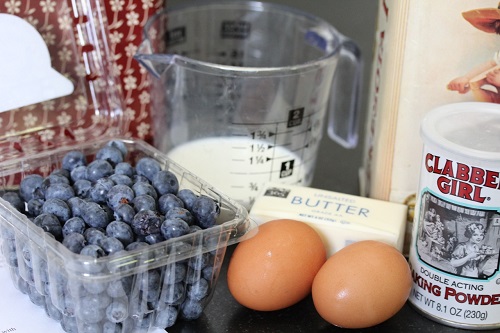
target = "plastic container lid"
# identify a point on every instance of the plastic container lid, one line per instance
(58, 86)
(469, 129)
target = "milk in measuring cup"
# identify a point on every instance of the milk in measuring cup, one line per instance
(240, 166)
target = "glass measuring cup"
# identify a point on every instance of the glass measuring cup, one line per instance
(243, 90)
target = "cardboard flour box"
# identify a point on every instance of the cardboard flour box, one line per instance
(427, 53)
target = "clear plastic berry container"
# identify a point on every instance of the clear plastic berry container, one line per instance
(137, 289)
(43, 115)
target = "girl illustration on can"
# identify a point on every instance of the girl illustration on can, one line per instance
(459, 240)
(469, 256)
(483, 81)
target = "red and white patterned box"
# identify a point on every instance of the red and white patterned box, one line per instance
(126, 18)
(92, 44)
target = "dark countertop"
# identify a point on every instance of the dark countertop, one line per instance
(224, 314)
(337, 170)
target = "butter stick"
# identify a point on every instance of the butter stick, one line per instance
(340, 219)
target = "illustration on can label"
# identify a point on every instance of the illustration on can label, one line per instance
(458, 240)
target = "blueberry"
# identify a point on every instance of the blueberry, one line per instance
(192, 276)
(149, 280)
(154, 238)
(76, 205)
(30, 187)
(146, 222)
(99, 169)
(111, 154)
(93, 235)
(125, 168)
(51, 180)
(90, 309)
(119, 194)
(166, 316)
(121, 179)
(94, 215)
(208, 272)
(182, 213)
(198, 290)
(144, 188)
(191, 309)
(144, 202)
(169, 201)
(188, 197)
(57, 207)
(194, 228)
(15, 200)
(181, 248)
(109, 327)
(80, 172)
(51, 310)
(174, 227)
(139, 179)
(174, 273)
(121, 231)
(62, 191)
(173, 294)
(165, 182)
(66, 301)
(136, 245)
(142, 323)
(206, 211)
(92, 250)
(74, 224)
(75, 242)
(124, 212)
(82, 188)
(199, 261)
(35, 206)
(117, 311)
(121, 287)
(49, 223)
(147, 167)
(8, 249)
(100, 189)
(69, 324)
(35, 297)
(109, 212)
(111, 245)
(26, 254)
(118, 144)
(91, 328)
(73, 159)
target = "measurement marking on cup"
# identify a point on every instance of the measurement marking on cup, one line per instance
(237, 173)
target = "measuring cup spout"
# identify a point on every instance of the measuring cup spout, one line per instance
(156, 64)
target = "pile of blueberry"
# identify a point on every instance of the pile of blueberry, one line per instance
(104, 208)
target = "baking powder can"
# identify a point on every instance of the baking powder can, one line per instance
(454, 253)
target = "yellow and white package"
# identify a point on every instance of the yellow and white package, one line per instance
(340, 219)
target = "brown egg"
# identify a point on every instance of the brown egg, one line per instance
(362, 285)
(275, 268)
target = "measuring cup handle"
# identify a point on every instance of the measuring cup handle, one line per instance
(344, 103)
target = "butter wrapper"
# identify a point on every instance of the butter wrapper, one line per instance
(340, 219)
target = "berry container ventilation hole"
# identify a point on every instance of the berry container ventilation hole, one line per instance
(148, 287)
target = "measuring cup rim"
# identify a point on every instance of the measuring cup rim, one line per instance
(337, 41)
